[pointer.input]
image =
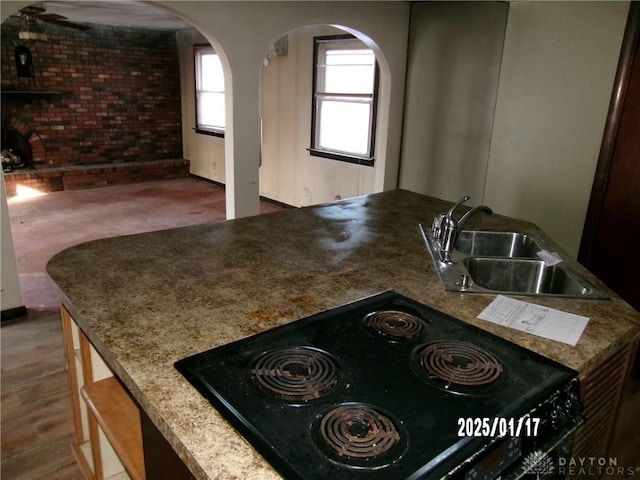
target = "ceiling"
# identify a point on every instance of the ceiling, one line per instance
(129, 13)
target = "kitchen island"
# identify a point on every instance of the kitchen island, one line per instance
(145, 301)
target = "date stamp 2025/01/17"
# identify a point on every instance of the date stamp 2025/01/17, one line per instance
(498, 426)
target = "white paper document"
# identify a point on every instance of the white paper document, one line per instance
(549, 258)
(542, 321)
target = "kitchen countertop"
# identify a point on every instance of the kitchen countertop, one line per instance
(148, 300)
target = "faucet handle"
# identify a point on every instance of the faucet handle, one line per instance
(436, 227)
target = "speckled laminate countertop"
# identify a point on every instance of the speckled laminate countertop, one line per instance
(148, 300)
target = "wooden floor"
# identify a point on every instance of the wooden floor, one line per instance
(36, 414)
(36, 428)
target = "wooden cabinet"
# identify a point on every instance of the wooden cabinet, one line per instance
(602, 392)
(114, 438)
(108, 433)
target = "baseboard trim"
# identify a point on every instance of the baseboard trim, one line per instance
(277, 203)
(13, 313)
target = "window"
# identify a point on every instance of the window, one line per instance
(345, 84)
(210, 115)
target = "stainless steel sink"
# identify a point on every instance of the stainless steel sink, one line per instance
(507, 263)
(531, 277)
(496, 244)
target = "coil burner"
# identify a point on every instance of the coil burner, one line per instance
(394, 325)
(296, 374)
(361, 436)
(458, 366)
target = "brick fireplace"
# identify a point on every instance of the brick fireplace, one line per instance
(20, 138)
(100, 107)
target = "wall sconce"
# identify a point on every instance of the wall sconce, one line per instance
(24, 62)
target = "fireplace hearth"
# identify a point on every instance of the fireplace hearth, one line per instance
(55, 179)
(20, 145)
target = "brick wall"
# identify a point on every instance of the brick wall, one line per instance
(118, 97)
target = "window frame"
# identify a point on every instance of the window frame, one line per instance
(198, 49)
(315, 150)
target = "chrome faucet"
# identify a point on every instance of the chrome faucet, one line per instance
(445, 227)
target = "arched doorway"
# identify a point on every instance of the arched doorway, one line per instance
(291, 170)
(90, 111)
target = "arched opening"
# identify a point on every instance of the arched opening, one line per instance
(291, 172)
(101, 106)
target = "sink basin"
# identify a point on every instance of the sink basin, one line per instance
(497, 244)
(524, 277)
(506, 262)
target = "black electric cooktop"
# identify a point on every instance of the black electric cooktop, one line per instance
(371, 390)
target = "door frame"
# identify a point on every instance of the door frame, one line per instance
(616, 106)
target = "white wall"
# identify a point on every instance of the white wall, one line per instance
(455, 50)
(10, 294)
(242, 33)
(556, 80)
